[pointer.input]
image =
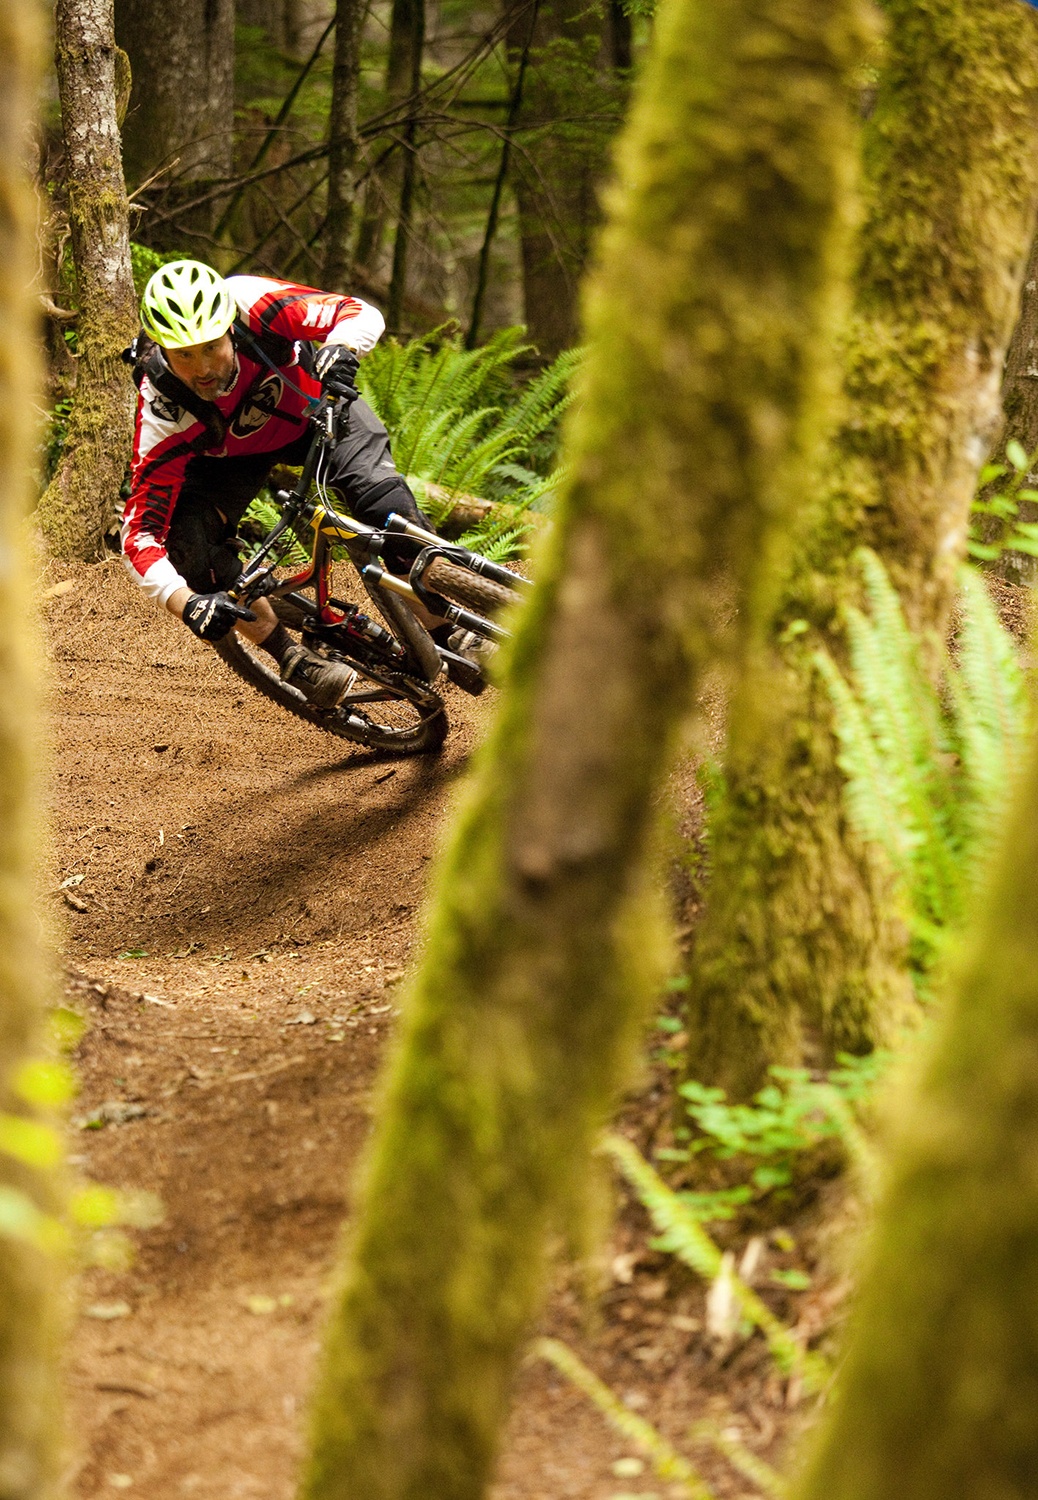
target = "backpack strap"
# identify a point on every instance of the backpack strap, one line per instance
(266, 348)
(146, 358)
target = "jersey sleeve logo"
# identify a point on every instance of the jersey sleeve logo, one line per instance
(259, 407)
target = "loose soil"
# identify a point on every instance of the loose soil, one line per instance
(236, 895)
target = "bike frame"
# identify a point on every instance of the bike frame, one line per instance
(333, 529)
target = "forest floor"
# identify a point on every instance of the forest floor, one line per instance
(235, 897)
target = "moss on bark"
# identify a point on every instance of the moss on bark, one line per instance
(708, 323)
(938, 1397)
(28, 1298)
(801, 944)
(80, 502)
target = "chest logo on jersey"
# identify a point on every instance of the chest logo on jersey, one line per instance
(165, 409)
(259, 408)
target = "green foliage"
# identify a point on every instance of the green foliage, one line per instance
(681, 1234)
(55, 434)
(144, 262)
(996, 526)
(462, 426)
(929, 768)
(787, 1119)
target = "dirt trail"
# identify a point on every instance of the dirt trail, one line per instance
(241, 913)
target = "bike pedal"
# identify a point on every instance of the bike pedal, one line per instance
(462, 672)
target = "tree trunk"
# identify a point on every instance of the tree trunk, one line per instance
(277, 19)
(343, 147)
(560, 159)
(182, 104)
(406, 22)
(544, 941)
(937, 1395)
(515, 104)
(801, 946)
(1020, 413)
(30, 1453)
(406, 46)
(80, 501)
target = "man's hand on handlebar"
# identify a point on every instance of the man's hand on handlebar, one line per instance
(336, 368)
(212, 616)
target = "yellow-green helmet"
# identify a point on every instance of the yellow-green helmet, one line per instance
(186, 302)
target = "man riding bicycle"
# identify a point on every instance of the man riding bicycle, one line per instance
(225, 370)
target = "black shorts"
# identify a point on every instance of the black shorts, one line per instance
(218, 491)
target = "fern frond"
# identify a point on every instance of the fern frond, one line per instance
(682, 1235)
(928, 772)
(666, 1461)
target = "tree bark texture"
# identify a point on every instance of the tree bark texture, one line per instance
(406, 48)
(559, 160)
(182, 104)
(344, 145)
(29, 1371)
(80, 501)
(936, 1399)
(707, 338)
(801, 945)
(1020, 412)
(406, 24)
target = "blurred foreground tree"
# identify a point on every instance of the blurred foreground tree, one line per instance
(708, 337)
(29, 1439)
(801, 938)
(936, 1398)
(80, 501)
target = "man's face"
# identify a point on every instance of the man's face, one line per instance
(205, 369)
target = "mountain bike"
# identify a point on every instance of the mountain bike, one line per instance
(315, 556)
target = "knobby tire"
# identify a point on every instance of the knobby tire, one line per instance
(471, 590)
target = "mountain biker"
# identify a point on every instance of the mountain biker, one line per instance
(224, 369)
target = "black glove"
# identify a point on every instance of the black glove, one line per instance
(336, 368)
(212, 616)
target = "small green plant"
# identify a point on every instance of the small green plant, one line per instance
(144, 262)
(929, 766)
(996, 525)
(56, 433)
(785, 1122)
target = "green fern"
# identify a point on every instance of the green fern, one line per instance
(459, 422)
(682, 1235)
(929, 767)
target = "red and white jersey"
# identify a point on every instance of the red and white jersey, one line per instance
(166, 437)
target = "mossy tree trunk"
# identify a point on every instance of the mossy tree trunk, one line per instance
(79, 503)
(708, 329)
(936, 1399)
(802, 947)
(343, 145)
(29, 1436)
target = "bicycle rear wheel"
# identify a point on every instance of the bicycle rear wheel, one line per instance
(384, 710)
